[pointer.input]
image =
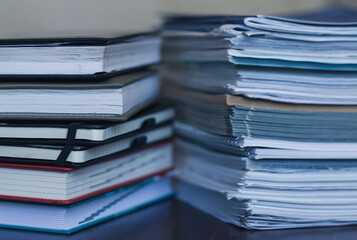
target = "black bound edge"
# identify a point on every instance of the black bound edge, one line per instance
(138, 143)
(73, 78)
(79, 41)
(148, 124)
(68, 145)
(70, 142)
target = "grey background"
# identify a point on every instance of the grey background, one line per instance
(51, 18)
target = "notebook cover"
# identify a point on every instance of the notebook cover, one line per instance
(147, 124)
(110, 83)
(79, 117)
(114, 82)
(49, 165)
(82, 143)
(156, 107)
(90, 40)
(137, 144)
(68, 78)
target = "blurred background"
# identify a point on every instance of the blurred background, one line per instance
(46, 18)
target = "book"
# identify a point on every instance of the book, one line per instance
(267, 194)
(75, 156)
(262, 129)
(65, 185)
(82, 57)
(69, 219)
(116, 98)
(85, 133)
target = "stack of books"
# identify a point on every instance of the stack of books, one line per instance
(267, 111)
(82, 136)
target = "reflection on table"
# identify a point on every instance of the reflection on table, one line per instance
(174, 220)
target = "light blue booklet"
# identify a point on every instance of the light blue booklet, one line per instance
(263, 57)
(69, 219)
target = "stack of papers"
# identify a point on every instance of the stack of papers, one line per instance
(266, 112)
(82, 137)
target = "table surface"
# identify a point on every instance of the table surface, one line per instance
(172, 219)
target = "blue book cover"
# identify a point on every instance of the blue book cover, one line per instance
(69, 219)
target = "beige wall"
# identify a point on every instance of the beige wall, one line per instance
(31, 18)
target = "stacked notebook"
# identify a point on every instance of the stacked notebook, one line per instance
(82, 136)
(266, 122)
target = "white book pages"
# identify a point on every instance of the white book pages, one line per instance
(78, 60)
(61, 102)
(52, 185)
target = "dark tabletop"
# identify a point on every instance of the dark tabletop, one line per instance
(172, 219)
